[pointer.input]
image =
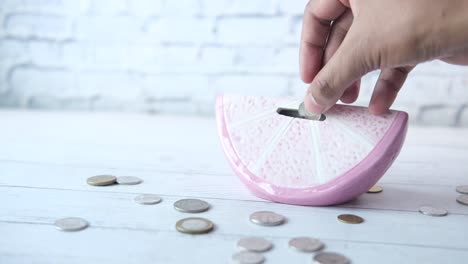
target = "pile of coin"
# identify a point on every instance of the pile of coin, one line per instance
(106, 180)
(251, 248)
(71, 224)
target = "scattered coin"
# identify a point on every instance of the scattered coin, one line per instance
(463, 199)
(462, 189)
(375, 189)
(246, 257)
(256, 244)
(101, 180)
(330, 258)
(432, 211)
(71, 224)
(147, 199)
(128, 180)
(350, 219)
(191, 205)
(267, 218)
(194, 225)
(305, 244)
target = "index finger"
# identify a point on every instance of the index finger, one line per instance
(316, 26)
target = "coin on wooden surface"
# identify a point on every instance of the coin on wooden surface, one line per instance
(256, 244)
(330, 258)
(267, 218)
(432, 211)
(194, 225)
(147, 199)
(463, 199)
(246, 257)
(191, 205)
(375, 189)
(350, 219)
(128, 180)
(71, 224)
(101, 180)
(462, 189)
(305, 244)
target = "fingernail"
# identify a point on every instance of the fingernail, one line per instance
(312, 105)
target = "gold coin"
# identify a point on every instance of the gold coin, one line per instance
(375, 189)
(101, 180)
(350, 219)
(194, 225)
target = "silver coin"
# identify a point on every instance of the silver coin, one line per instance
(71, 224)
(462, 189)
(246, 257)
(191, 206)
(256, 244)
(432, 211)
(463, 199)
(267, 218)
(147, 199)
(305, 244)
(330, 258)
(194, 225)
(306, 114)
(128, 180)
(101, 180)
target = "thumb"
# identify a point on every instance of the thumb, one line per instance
(349, 63)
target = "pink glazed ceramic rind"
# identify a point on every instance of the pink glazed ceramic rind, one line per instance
(343, 188)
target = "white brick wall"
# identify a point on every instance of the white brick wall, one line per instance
(164, 56)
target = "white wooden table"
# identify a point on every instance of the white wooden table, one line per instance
(45, 159)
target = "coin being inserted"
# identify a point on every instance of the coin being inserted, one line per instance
(101, 180)
(246, 257)
(147, 199)
(194, 225)
(305, 244)
(191, 206)
(71, 224)
(256, 244)
(267, 218)
(330, 258)
(308, 115)
(432, 211)
(350, 219)
(128, 180)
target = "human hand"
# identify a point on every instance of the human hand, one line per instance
(344, 39)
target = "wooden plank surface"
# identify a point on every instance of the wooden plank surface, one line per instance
(45, 159)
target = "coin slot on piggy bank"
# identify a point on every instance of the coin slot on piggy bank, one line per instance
(300, 112)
